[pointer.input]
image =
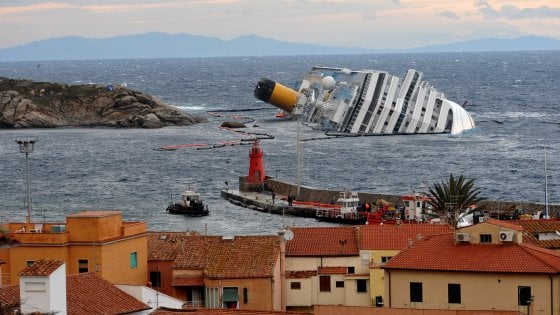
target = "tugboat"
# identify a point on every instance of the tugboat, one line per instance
(191, 205)
(346, 210)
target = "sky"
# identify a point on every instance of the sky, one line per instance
(373, 24)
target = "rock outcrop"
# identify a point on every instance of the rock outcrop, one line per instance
(28, 104)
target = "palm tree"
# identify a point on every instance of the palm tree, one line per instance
(456, 194)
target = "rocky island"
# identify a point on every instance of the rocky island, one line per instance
(29, 104)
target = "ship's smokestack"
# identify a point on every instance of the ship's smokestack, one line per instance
(276, 94)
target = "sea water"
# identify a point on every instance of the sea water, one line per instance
(513, 97)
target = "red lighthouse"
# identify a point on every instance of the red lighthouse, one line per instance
(256, 165)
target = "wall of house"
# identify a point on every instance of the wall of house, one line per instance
(94, 226)
(166, 275)
(303, 296)
(353, 297)
(487, 228)
(376, 274)
(260, 295)
(356, 310)
(19, 256)
(310, 294)
(116, 262)
(313, 263)
(479, 291)
(279, 279)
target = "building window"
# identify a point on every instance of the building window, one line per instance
(212, 298)
(245, 295)
(295, 285)
(453, 293)
(486, 238)
(351, 270)
(523, 295)
(155, 278)
(29, 263)
(361, 285)
(230, 298)
(416, 292)
(133, 260)
(385, 259)
(339, 284)
(82, 265)
(325, 283)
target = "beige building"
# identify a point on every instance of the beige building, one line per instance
(379, 243)
(323, 266)
(481, 267)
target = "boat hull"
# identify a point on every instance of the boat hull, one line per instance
(198, 210)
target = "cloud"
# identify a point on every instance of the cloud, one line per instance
(448, 14)
(512, 12)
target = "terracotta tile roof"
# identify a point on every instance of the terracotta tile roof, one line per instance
(506, 224)
(323, 241)
(333, 270)
(165, 245)
(300, 274)
(441, 253)
(237, 257)
(41, 268)
(396, 237)
(88, 293)
(9, 296)
(187, 281)
(531, 229)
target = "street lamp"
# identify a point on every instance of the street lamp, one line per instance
(27, 146)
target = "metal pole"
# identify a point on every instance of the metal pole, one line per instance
(28, 188)
(545, 186)
(27, 146)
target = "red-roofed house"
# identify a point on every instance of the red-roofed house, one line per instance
(481, 267)
(46, 289)
(241, 272)
(323, 266)
(379, 243)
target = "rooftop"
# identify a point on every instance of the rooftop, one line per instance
(218, 257)
(86, 293)
(41, 268)
(396, 237)
(452, 256)
(323, 241)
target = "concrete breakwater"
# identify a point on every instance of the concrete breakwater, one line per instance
(265, 202)
(326, 196)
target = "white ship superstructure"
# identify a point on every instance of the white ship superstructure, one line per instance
(368, 102)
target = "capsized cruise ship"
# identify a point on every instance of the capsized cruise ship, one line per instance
(367, 102)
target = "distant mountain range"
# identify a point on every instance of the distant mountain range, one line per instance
(162, 45)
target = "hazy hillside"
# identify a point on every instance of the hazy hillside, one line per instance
(161, 45)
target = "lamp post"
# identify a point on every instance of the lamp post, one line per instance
(27, 146)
